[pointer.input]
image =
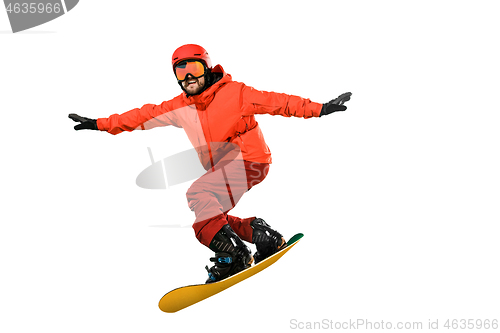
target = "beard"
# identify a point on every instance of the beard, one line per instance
(193, 88)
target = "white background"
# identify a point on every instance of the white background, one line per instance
(397, 197)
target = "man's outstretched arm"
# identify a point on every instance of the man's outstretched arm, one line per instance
(264, 102)
(128, 121)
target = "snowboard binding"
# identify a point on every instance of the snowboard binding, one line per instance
(231, 255)
(267, 240)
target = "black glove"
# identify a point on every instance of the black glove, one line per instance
(336, 104)
(85, 123)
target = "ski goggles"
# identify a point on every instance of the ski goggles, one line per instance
(193, 67)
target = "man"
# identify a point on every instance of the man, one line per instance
(218, 115)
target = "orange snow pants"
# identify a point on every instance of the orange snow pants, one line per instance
(215, 193)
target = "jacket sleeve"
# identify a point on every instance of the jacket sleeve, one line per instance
(264, 102)
(146, 117)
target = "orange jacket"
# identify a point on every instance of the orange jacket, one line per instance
(222, 113)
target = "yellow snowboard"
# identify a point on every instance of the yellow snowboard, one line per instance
(183, 297)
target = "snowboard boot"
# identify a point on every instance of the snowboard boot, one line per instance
(268, 241)
(231, 255)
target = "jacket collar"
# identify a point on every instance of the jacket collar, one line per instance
(205, 98)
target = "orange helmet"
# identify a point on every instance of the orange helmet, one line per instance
(191, 51)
